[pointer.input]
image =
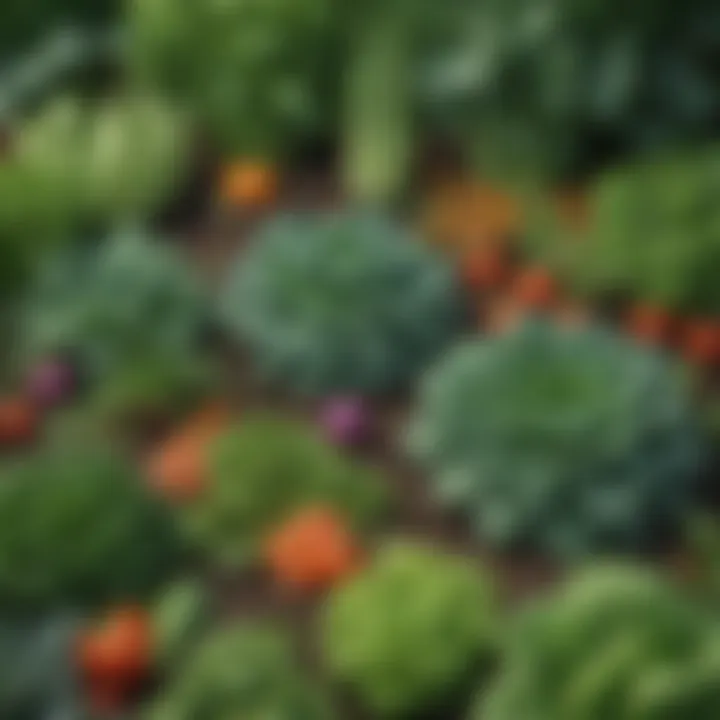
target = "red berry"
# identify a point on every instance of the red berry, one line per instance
(701, 342)
(486, 268)
(536, 288)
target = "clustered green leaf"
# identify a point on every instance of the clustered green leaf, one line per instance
(615, 642)
(242, 671)
(544, 89)
(94, 164)
(25, 22)
(249, 68)
(408, 630)
(570, 441)
(654, 234)
(131, 313)
(78, 528)
(341, 302)
(261, 472)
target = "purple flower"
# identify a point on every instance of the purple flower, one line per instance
(346, 420)
(51, 382)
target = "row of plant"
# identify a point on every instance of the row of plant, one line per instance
(535, 90)
(571, 441)
(403, 629)
(640, 244)
(345, 304)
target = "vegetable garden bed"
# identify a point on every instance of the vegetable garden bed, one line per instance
(302, 418)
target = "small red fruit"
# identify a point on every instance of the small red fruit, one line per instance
(650, 323)
(313, 550)
(248, 183)
(535, 288)
(118, 652)
(486, 268)
(701, 342)
(19, 421)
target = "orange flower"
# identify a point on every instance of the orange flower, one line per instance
(247, 183)
(18, 421)
(313, 550)
(178, 470)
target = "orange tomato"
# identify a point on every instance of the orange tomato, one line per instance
(313, 550)
(117, 652)
(486, 268)
(19, 421)
(248, 183)
(535, 288)
(178, 470)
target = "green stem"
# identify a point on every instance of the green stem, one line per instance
(378, 142)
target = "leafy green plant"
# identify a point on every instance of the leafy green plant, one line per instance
(180, 618)
(152, 387)
(263, 470)
(387, 44)
(129, 310)
(74, 168)
(341, 302)
(241, 671)
(405, 633)
(614, 642)
(250, 70)
(78, 528)
(547, 88)
(570, 441)
(654, 234)
(37, 679)
(100, 163)
(25, 22)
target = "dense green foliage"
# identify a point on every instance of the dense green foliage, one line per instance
(614, 643)
(76, 167)
(654, 234)
(405, 633)
(152, 387)
(248, 68)
(341, 302)
(37, 679)
(180, 618)
(265, 469)
(571, 441)
(77, 528)
(241, 671)
(96, 164)
(27, 22)
(117, 306)
(548, 87)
